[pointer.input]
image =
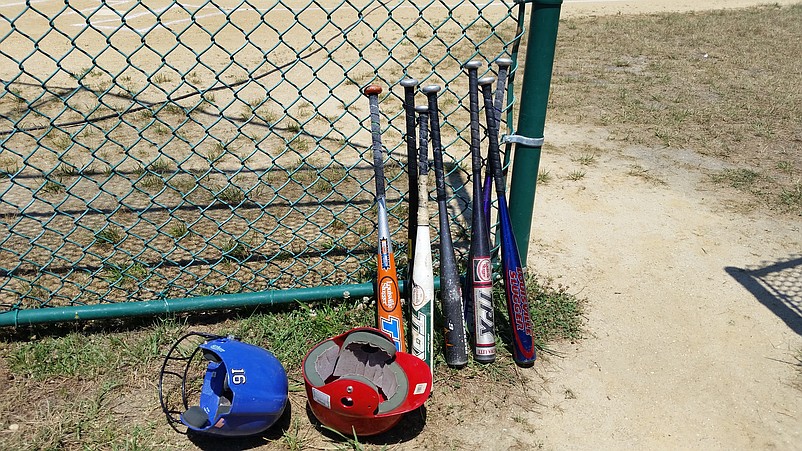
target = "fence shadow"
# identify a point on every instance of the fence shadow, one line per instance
(778, 286)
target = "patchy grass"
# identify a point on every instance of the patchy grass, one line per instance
(117, 364)
(671, 83)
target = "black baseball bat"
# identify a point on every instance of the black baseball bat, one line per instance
(498, 105)
(523, 345)
(409, 85)
(479, 295)
(456, 351)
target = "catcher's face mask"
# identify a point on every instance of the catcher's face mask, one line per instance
(357, 382)
(243, 391)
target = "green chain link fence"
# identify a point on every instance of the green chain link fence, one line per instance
(215, 150)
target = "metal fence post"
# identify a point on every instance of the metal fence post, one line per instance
(539, 62)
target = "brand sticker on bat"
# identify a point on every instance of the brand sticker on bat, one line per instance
(418, 296)
(517, 294)
(482, 272)
(484, 315)
(387, 294)
(384, 253)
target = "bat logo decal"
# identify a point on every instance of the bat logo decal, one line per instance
(387, 294)
(385, 253)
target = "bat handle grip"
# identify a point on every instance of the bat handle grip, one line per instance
(372, 92)
(493, 155)
(434, 134)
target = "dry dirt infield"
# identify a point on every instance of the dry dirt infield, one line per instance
(679, 353)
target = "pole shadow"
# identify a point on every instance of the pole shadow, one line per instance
(777, 285)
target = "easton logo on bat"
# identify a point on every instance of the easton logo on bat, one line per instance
(387, 296)
(384, 253)
(482, 272)
(517, 292)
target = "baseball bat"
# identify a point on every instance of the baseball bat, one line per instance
(409, 85)
(456, 351)
(389, 318)
(422, 293)
(498, 104)
(479, 299)
(523, 345)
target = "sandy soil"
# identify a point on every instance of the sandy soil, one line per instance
(694, 322)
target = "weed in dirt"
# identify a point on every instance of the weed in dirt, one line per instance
(52, 187)
(636, 170)
(110, 235)
(737, 178)
(151, 182)
(231, 195)
(8, 166)
(177, 230)
(299, 144)
(575, 175)
(292, 126)
(792, 197)
(235, 250)
(160, 166)
(586, 159)
(161, 78)
(543, 177)
(216, 152)
(173, 108)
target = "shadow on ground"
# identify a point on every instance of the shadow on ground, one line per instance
(777, 285)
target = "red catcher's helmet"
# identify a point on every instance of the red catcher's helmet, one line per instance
(358, 384)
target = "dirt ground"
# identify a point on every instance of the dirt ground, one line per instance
(685, 347)
(694, 308)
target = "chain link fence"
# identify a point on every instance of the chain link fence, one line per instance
(173, 149)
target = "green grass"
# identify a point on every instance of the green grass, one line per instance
(117, 363)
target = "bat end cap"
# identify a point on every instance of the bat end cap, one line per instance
(486, 81)
(504, 62)
(431, 89)
(409, 82)
(474, 64)
(371, 90)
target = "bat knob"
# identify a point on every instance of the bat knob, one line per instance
(474, 64)
(431, 89)
(372, 90)
(409, 82)
(421, 109)
(504, 62)
(486, 81)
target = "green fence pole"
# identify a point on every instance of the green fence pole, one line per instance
(539, 62)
